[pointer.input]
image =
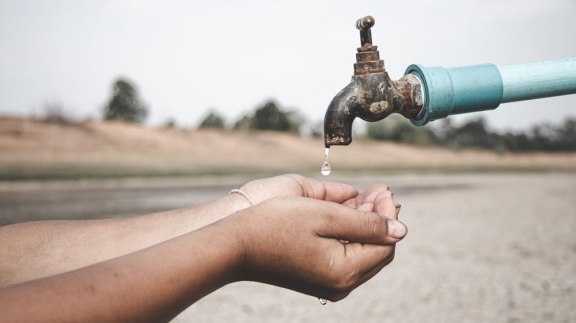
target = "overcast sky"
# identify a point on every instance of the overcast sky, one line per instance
(188, 56)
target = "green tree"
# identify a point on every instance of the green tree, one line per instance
(397, 128)
(212, 120)
(567, 135)
(245, 123)
(125, 105)
(269, 116)
(473, 134)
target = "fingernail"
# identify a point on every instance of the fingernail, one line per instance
(396, 229)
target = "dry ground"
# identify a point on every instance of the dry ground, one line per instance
(36, 149)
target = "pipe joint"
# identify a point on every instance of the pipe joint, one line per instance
(457, 90)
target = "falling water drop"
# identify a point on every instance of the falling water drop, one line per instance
(326, 169)
(322, 301)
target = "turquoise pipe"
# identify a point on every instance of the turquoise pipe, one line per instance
(465, 89)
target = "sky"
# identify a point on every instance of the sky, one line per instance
(186, 57)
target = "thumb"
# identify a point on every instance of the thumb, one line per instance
(364, 227)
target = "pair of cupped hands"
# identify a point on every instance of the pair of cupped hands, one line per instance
(316, 237)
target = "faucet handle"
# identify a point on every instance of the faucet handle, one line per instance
(367, 59)
(364, 25)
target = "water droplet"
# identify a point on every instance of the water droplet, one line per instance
(322, 301)
(326, 169)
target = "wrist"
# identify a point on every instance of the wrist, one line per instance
(245, 195)
(237, 200)
(232, 245)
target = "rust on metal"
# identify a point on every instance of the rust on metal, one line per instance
(371, 95)
(368, 61)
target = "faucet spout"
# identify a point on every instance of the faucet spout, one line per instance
(340, 115)
(370, 97)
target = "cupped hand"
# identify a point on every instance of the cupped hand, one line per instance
(377, 198)
(297, 185)
(297, 243)
(261, 190)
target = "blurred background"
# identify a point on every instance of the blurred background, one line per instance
(187, 57)
(118, 108)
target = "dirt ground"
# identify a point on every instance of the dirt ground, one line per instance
(481, 247)
(36, 149)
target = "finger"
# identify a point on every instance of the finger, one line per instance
(339, 192)
(366, 207)
(351, 203)
(370, 194)
(366, 227)
(365, 201)
(328, 191)
(385, 206)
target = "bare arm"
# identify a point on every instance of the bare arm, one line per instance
(289, 242)
(39, 249)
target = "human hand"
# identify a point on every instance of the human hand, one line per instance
(297, 243)
(375, 199)
(296, 185)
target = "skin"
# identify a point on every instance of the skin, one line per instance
(40, 249)
(321, 239)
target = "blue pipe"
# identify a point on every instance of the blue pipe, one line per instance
(457, 90)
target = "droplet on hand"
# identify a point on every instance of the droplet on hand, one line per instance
(322, 301)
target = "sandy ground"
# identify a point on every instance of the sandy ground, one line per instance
(32, 148)
(480, 248)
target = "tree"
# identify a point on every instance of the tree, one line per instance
(567, 135)
(125, 105)
(397, 128)
(212, 120)
(269, 116)
(245, 123)
(54, 112)
(472, 134)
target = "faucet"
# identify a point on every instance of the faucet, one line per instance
(371, 95)
(425, 94)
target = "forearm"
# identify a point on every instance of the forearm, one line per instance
(151, 285)
(39, 249)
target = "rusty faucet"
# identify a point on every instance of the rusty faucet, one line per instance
(371, 95)
(425, 94)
